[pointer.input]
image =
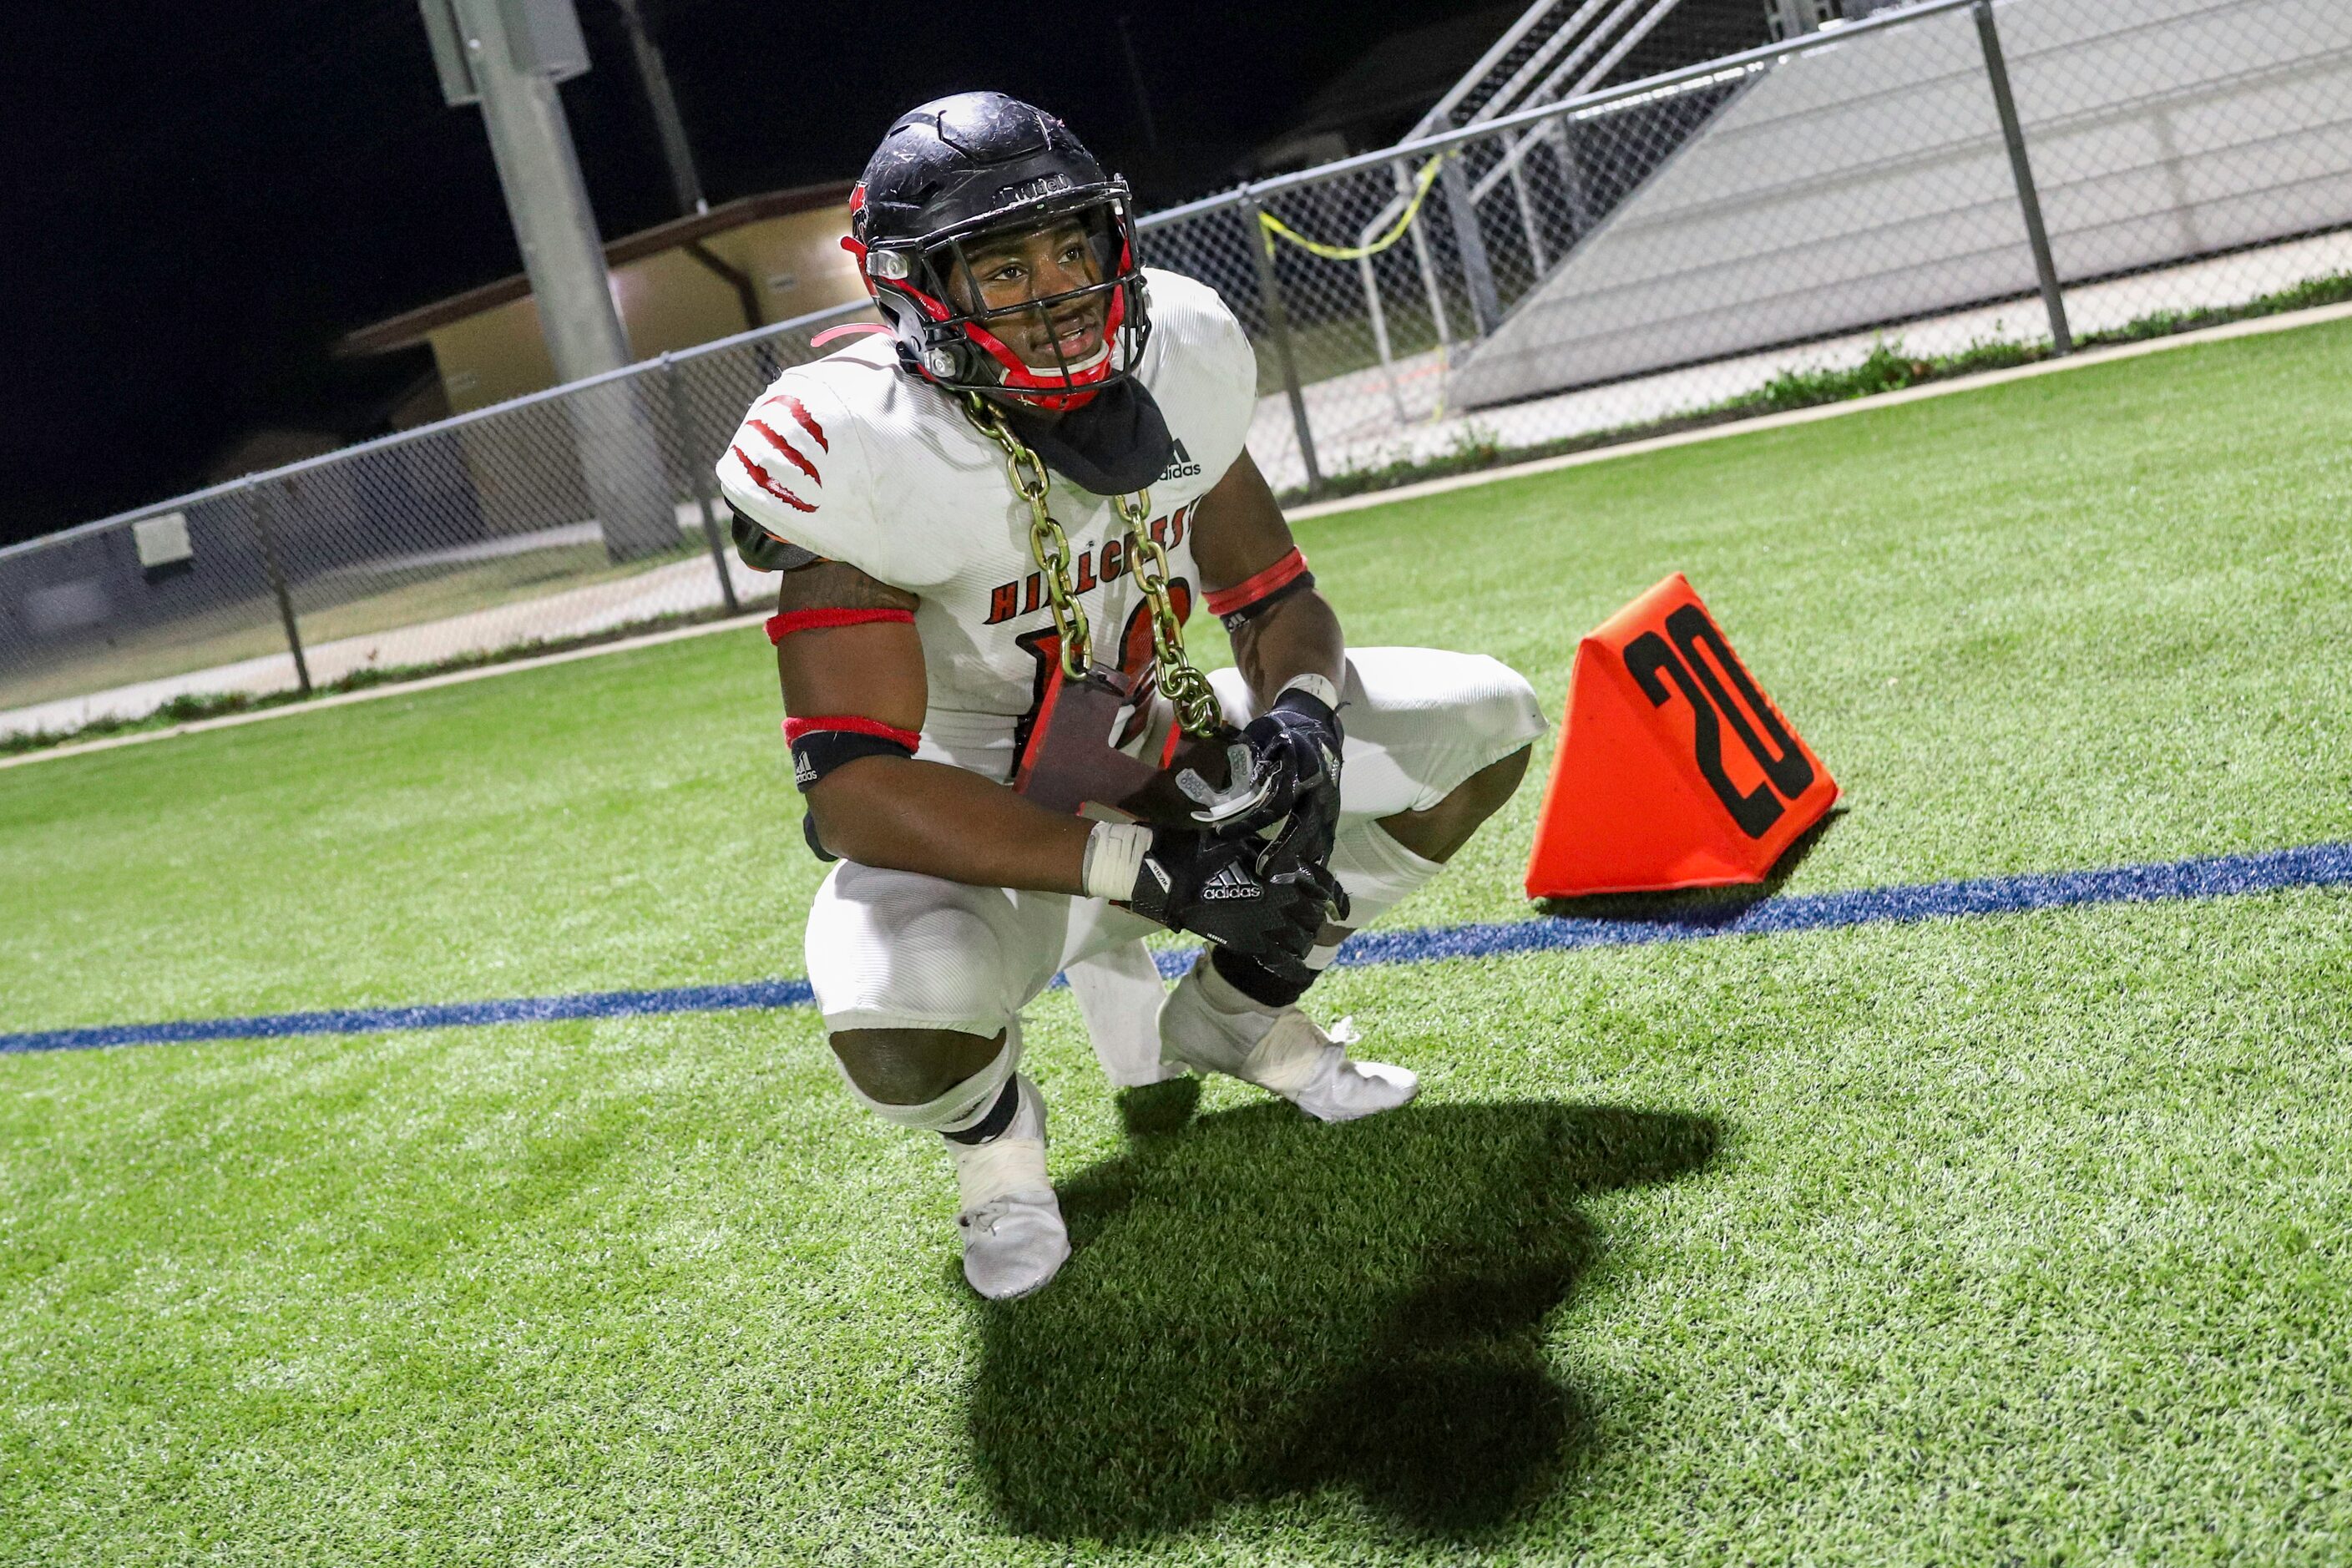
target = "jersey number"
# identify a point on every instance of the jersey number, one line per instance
(1136, 662)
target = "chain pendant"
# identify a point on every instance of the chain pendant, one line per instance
(1187, 691)
(1049, 547)
(1195, 700)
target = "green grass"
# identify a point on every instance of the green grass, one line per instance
(2001, 1240)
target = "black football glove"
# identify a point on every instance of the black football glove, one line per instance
(1286, 762)
(1264, 901)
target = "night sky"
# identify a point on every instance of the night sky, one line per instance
(200, 199)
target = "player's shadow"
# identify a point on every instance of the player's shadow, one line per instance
(1261, 1305)
(1696, 906)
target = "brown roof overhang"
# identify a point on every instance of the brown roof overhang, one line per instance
(411, 327)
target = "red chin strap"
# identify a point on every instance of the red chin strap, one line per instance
(857, 250)
(1074, 390)
(1057, 389)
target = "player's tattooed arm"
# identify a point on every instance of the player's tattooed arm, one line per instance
(828, 585)
(892, 811)
(1282, 627)
(1288, 645)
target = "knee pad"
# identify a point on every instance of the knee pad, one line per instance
(948, 964)
(1496, 704)
(961, 1107)
(896, 963)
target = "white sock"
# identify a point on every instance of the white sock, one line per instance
(1223, 995)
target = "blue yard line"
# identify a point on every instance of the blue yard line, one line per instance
(2224, 876)
(430, 1015)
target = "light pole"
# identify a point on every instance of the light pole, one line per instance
(508, 57)
(683, 179)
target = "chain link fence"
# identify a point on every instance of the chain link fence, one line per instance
(549, 519)
(1939, 178)
(1940, 175)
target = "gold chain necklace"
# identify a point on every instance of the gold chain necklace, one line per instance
(1187, 688)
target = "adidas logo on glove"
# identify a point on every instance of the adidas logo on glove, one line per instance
(1230, 883)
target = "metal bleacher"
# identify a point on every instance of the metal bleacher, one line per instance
(1556, 50)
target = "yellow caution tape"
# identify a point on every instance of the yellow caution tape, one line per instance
(1421, 184)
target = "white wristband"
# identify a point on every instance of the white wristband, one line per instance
(1115, 852)
(1315, 686)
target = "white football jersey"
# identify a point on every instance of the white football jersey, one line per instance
(862, 463)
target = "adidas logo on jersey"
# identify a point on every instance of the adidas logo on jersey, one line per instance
(1180, 467)
(1229, 882)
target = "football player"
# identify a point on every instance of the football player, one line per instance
(927, 614)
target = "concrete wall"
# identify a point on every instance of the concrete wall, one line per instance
(1868, 182)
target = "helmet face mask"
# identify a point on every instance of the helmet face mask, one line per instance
(1000, 255)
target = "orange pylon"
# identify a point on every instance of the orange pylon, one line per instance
(1675, 770)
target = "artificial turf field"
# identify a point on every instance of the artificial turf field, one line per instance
(2013, 1239)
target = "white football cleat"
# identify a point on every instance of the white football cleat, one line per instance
(1013, 1237)
(1283, 1051)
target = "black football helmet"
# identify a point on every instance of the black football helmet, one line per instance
(974, 165)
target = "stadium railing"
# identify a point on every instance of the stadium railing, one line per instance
(1945, 174)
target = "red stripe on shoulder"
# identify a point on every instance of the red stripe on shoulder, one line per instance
(760, 478)
(785, 625)
(801, 415)
(790, 452)
(1242, 594)
(795, 728)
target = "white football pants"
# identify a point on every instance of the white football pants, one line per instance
(897, 950)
